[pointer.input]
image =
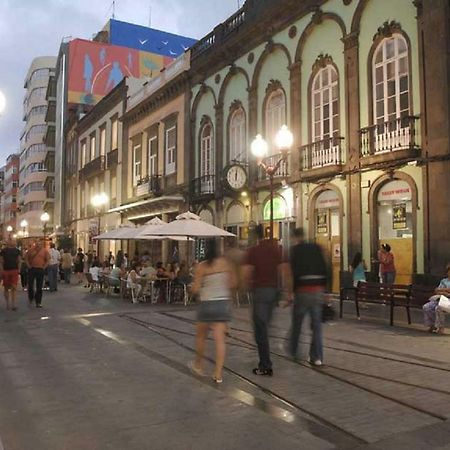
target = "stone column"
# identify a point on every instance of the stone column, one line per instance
(352, 143)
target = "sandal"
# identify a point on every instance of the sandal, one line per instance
(218, 380)
(195, 370)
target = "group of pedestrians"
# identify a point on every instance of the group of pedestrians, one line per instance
(36, 259)
(299, 280)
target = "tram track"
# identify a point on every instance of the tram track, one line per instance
(328, 371)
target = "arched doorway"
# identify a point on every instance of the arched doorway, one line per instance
(395, 225)
(327, 231)
(282, 219)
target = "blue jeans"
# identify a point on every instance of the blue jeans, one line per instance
(264, 300)
(52, 274)
(307, 303)
(67, 273)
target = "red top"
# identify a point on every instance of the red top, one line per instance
(386, 262)
(265, 259)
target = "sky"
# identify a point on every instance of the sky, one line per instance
(31, 28)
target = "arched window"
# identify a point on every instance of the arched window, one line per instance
(391, 80)
(325, 104)
(206, 150)
(275, 115)
(238, 147)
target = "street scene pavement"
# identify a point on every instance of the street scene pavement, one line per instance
(90, 372)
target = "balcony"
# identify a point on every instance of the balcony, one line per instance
(203, 186)
(322, 158)
(149, 185)
(393, 140)
(221, 33)
(271, 161)
(92, 168)
(112, 158)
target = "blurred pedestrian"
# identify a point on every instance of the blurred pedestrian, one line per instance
(79, 265)
(214, 280)
(262, 272)
(309, 278)
(66, 265)
(37, 261)
(53, 268)
(10, 263)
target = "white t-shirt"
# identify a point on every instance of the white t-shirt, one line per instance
(94, 271)
(55, 256)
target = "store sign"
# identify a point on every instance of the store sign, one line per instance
(399, 216)
(322, 223)
(395, 190)
(327, 199)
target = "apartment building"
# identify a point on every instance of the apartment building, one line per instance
(9, 197)
(36, 148)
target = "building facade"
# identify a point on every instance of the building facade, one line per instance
(36, 148)
(352, 80)
(10, 194)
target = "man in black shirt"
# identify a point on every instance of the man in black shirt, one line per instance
(10, 262)
(309, 282)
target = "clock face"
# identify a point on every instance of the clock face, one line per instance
(236, 177)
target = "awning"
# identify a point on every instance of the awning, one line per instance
(150, 207)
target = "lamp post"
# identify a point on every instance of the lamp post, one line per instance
(9, 229)
(45, 217)
(98, 201)
(259, 148)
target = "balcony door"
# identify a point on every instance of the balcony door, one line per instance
(207, 160)
(327, 219)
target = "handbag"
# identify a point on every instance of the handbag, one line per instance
(328, 312)
(444, 304)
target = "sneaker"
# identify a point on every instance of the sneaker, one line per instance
(263, 372)
(316, 362)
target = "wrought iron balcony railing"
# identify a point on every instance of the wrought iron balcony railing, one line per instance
(271, 161)
(398, 134)
(204, 185)
(327, 152)
(149, 185)
(93, 167)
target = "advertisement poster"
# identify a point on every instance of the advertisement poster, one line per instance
(322, 222)
(399, 216)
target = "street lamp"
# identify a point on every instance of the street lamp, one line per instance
(98, 201)
(2, 102)
(259, 148)
(9, 229)
(45, 217)
(23, 224)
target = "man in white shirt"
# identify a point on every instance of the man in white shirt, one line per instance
(53, 267)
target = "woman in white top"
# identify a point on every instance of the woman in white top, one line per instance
(214, 280)
(133, 282)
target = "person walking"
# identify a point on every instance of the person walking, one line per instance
(309, 277)
(358, 269)
(66, 265)
(214, 280)
(37, 261)
(10, 263)
(53, 268)
(262, 270)
(79, 265)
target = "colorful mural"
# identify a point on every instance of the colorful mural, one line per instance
(95, 68)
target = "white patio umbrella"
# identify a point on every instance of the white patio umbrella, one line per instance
(189, 225)
(117, 234)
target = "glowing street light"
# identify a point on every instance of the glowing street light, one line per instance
(45, 217)
(259, 148)
(2, 102)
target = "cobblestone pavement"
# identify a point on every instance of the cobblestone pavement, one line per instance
(88, 372)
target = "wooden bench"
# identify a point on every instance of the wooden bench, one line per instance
(392, 295)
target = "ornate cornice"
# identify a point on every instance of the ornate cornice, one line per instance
(322, 61)
(387, 30)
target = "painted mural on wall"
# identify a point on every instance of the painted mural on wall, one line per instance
(96, 68)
